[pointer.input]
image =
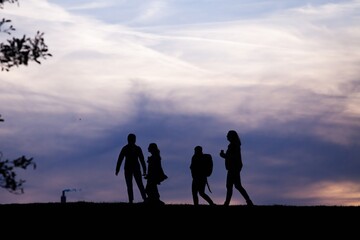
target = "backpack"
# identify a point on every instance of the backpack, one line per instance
(208, 164)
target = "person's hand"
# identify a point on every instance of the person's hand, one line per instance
(222, 153)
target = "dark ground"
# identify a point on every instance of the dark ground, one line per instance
(138, 220)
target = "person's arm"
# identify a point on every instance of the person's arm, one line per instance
(222, 154)
(142, 161)
(119, 161)
(192, 163)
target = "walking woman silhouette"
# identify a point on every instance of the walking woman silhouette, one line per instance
(233, 165)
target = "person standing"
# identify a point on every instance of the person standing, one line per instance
(133, 156)
(233, 165)
(154, 176)
(199, 178)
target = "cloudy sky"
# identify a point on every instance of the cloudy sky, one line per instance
(284, 74)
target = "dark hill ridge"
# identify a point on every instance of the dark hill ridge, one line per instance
(179, 220)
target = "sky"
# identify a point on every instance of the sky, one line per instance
(284, 74)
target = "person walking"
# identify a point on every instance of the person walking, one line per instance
(233, 165)
(134, 157)
(199, 178)
(155, 175)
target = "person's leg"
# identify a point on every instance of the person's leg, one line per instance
(140, 184)
(148, 190)
(129, 185)
(156, 192)
(229, 189)
(157, 195)
(151, 191)
(206, 198)
(242, 190)
(202, 186)
(194, 191)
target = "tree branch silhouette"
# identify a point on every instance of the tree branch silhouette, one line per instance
(16, 52)
(8, 176)
(19, 51)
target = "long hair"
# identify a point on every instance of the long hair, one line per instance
(233, 137)
(153, 148)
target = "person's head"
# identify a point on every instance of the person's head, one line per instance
(198, 150)
(233, 137)
(153, 148)
(131, 138)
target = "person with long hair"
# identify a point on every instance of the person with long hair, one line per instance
(233, 165)
(155, 175)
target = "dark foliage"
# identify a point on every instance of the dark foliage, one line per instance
(19, 51)
(15, 52)
(9, 1)
(8, 177)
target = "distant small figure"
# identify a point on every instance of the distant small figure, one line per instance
(133, 156)
(233, 165)
(155, 175)
(199, 177)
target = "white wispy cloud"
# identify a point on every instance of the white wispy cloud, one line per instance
(265, 53)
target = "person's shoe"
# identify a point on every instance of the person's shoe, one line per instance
(211, 203)
(249, 203)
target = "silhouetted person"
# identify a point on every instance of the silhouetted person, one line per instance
(233, 165)
(133, 156)
(199, 178)
(154, 176)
